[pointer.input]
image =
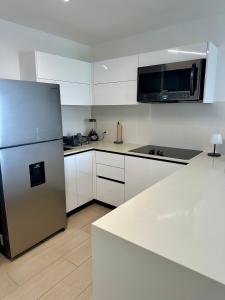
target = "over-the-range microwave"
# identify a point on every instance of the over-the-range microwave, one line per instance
(172, 82)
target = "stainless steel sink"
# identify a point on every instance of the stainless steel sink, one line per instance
(66, 148)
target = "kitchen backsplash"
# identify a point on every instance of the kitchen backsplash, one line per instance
(177, 125)
(75, 119)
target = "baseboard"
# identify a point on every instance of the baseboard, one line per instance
(103, 204)
(93, 201)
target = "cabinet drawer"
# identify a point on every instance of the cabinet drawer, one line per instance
(110, 192)
(110, 159)
(110, 172)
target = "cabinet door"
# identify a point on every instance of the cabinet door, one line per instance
(72, 93)
(119, 93)
(75, 93)
(70, 182)
(110, 192)
(62, 68)
(114, 70)
(182, 53)
(84, 177)
(141, 173)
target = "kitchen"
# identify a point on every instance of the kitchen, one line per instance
(104, 78)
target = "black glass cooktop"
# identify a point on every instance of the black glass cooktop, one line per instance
(169, 152)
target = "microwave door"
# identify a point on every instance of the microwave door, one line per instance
(173, 82)
(150, 83)
(193, 79)
(179, 84)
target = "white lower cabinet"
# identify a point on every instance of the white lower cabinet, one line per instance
(70, 182)
(110, 172)
(141, 173)
(109, 177)
(110, 192)
(110, 185)
(78, 179)
(84, 177)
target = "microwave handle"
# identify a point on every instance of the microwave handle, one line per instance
(192, 77)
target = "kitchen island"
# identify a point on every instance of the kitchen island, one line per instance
(168, 242)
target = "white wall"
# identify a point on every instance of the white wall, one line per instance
(75, 119)
(211, 29)
(176, 125)
(16, 39)
(183, 125)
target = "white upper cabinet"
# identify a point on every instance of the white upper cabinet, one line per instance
(62, 68)
(116, 93)
(190, 52)
(69, 89)
(115, 81)
(171, 55)
(114, 70)
(73, 76)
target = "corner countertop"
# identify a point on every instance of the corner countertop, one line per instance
(181, 218)
(121, 149)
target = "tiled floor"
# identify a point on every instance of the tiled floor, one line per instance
(58, 269)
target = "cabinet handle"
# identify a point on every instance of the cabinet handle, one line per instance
(114, 180)
(192, 78)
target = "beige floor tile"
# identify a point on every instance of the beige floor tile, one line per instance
(72, 285)
(86, 295)
(86, 216)
(80, 254)
(101, 208)
(87, 229)
(43, 271)
(30, 264)
(44, 281)
(67, 242)
(7, 286)
(4, 262)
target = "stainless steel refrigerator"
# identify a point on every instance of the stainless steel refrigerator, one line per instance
(32, 187)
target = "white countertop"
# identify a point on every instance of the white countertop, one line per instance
(181, 218)
(117, 148)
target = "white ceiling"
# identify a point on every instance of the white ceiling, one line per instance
(97, 21)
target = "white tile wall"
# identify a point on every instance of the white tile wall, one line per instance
(176, 125)
(75, 119)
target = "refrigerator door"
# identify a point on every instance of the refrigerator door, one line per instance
(33, 193)
(30, 112)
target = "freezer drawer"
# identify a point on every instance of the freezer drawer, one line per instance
(33, 195)
(29, 112)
